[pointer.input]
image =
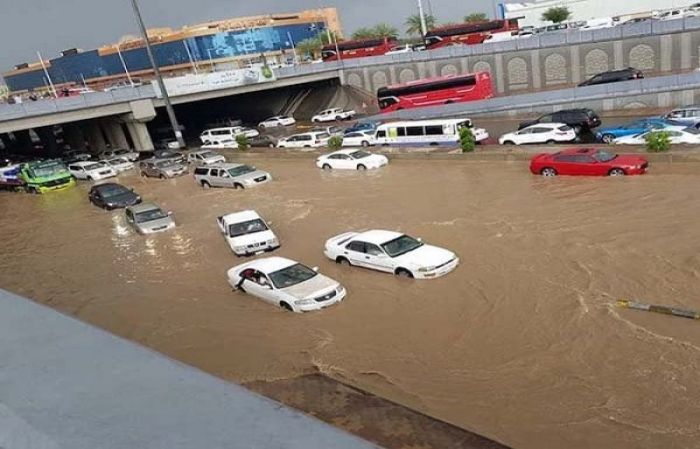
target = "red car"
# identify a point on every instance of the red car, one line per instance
(587, 162)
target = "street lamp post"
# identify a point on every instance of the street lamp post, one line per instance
(159, 78)
(421, 14)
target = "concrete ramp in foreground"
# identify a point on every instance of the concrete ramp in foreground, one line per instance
(67, 385)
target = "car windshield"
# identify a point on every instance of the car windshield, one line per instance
(208, 154)
(150, 215)
(47, 169)
(360, 154)
(247, 227)
(241, 170)
(117, 161)
(290, 276)
(602, 156)
(112, 190)
(164, 154)
(401, 245)
(95, 166)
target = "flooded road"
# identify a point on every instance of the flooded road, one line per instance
(522, 343)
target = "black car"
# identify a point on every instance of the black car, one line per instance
(579, 119)
(113, 196)
(614, 76)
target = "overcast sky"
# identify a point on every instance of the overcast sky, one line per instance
(48, 26)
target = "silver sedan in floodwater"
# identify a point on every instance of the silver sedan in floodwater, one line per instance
(237, 176)
(148, 218)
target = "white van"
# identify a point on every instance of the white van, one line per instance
(313, 139)
(217, 135)
(426, 132)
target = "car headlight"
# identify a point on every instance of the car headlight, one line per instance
(239, 249)
(426, 269)
(272, 242)
(304, 302)
(340, 290)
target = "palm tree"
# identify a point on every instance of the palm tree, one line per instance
(363, 33)
(385, 30)
(309, 46)
(413, 26)
(475, 17)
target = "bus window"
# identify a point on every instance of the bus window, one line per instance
(414, 131)
(433, 130)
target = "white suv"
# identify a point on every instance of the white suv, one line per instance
(305, 140)
(331, 115)
(247, 233)
(91, 171)
(218, 135)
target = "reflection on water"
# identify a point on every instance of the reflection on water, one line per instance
(520, 343)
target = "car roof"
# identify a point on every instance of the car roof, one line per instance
(225, 166)
(143, 207)
(377, 236)
(579, 151)
(206, 150)
(547, 125)
(244, 215)
(271, 264)
(84, 163)
(107, 184)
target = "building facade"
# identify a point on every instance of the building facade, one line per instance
(586, 9)
(227, 43)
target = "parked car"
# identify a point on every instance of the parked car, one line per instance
(351, 160)
(111, 196)
(163, 169)
(263, 141)
(331, 130)
(226, 144)
(358, 139)
(205, 157)
(614, 76)
(148, 218)
(76, 155)
(91, 171)
(120, 164)
(688, 116)
(609, 134)
(399, 49)
(540, 133)
(678, 135)
(170, 156)
(587, 162)
(305, 140)
(237, 176)
(363, 126)
(392, 252)
(333, 115)
(229, 133)
(579, 119)
(287, 284)
(167, 144)
(276, 121)
(247, 233)
(132, 156)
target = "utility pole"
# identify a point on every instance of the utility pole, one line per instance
(159, 78)
(423, 26)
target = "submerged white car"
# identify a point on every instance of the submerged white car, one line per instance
(690, 136)
(351, 160)
(333, 115)
(205, 157)
(540, 133)
(279, 120)
(391, 252)
(287, 284)
(91, 171)
(247, 233)
(358, 139)
(226, 144)
(120, 164)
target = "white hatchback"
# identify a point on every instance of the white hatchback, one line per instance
(287, 284)
(279, 120)
(540, 133)
(358, 139)
(247, 233)
(120, 164)
(391, 252)
(305, 140)
(91, 171)
(351, 160)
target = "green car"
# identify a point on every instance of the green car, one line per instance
(45, 176)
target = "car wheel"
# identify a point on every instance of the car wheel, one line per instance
(548, 172)
(326, 167)
(508, 142)
(404, 273)
(365, 143)
(608, 138)
(161, 177)
(238, 186)
(550, 142)
(286, 306)
(343, 261)
(338, 118)
(271, 145)
(578, 129)
(143, 175)
(361, 167)
(89, 178)
(206, 185)
(617, 172)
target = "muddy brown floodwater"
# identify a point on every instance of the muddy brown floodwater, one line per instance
(522, 343)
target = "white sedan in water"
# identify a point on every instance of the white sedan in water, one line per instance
(358, 139)
(279, 120)
(287, 284)
(540, 133)
(351, 160)
(392, 252)
(690, 136)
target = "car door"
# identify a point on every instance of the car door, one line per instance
(78, 172)
(539, 134)
(96, 198)
(523, 136)
(257, 284)
(587, 166)
(292, 142)
(346, 162)
(355, 252)
(377, 259)
(225, 179)
(564, 164)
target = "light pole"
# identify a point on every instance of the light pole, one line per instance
(159, 78)
(211, 61)
(423, 26)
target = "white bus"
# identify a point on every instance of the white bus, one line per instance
(425, 132)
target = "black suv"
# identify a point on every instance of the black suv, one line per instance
(614, 76)
(579, 119)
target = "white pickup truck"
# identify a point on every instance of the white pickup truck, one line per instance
(333, 115)
(247, 233)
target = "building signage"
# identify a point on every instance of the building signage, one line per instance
(191, 83)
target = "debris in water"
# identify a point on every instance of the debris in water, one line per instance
(693, 315)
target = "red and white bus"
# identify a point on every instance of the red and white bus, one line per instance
(434, 91)
(358, 48)
(468, 33)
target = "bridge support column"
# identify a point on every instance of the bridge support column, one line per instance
(23, 141)
(74, 136)
(115, 134)
(95, 138)
(140, 136)
(5, 142)
(48, 139)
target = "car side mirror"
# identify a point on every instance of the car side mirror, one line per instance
(315, 269)
(170, 213)
(420, 239)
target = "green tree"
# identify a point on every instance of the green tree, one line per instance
(467, 142)
(378, 31)
(363, 33)
(335, 142)
(557, 14)
(475, 17)
(658, 142)
(243, 142)
(312, 46)
(413, 26)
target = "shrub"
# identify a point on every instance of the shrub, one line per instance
(467, 142)
(658, 142)
(335, 142)
(242, 141)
